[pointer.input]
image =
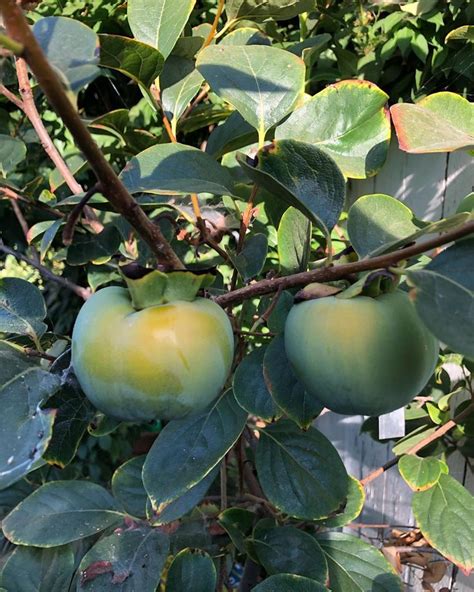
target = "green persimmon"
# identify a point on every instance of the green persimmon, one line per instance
(361, 355)
(163, 361)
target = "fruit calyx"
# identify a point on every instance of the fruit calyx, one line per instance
(150, 287)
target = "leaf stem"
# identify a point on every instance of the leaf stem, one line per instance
(215, 24)
(268, 286)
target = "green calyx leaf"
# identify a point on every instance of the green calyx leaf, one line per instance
(149, 287)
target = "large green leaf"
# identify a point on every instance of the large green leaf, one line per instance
(315, 481)
(233, 134)
(180, 82)
(60, 512)
(176, 168)
(71, 47)
(250, 388)
(238, 524)
(294, 241)
(139, 61)
(159, 23)
(12, 152)
(97, 248)
(444, 514)
(22, 308)
(421, 473)
(289, 583)
(250, 261)
(246, 36)
(196, 444)
(262, 83)
(444, 296)
(349, 121)
(38, 570)
(131, 560)
(191, 570)
(441, 122)
(289, 550)
(277, 9)
(287, 392)
(25, 429)
(355, 566)
(351, 509)
(128, 488)
(303, 176)
(378, 220)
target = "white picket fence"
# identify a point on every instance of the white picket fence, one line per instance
(432, 185)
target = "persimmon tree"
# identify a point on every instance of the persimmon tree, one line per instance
(179, 445)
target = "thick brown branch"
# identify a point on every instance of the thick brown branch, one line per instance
(436, 435)
(114, 190)
(83, 293)
(338, 272)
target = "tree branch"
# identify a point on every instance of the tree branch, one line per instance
(11, 97)
(338, 272)
(436, 435)
(18, 28)
(83, 293)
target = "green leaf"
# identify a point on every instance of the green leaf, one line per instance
(246, 36)
(12, 152)
(444, 514)
(180, 82)
(49, 236)
(13, 495)
(159, 23)
(95, 248)
(184, 503)
(71, 47)
(250, 388)
(287, 392)
(238, 524)
(289, 583)
(294, 241)
(421, 473)
(262, 83)
(191, 570)
(355, 566)
(196, 444)
(13, 363)
(352, 507)
(22, 308)
(176, 168)
(73, 414)
(464, 33)
(441, 122)
(128, 488)
(257, 9)
(303, 176)
(38, 570)
(315, 482)
(250, 261)
(60, 512)
(289, 550)
(375, 221)
(25, 429)
(129, 560)
(139, 61)
(444, 296)
(231, 135)
(349, 121)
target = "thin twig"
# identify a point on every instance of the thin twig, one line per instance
(83, 293)
(11, 97)
(436, 435)
(338, 272)
(114, 190)
(215, 24)
(12, 194)
(201, 96)
(75, 214)
(19, 216)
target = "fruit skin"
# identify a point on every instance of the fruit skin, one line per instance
(160, 362)
(362, 355)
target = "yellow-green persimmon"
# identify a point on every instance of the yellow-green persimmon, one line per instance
(159, 362)
(360, 355)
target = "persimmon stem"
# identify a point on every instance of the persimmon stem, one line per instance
(113, 189)
(338, 272)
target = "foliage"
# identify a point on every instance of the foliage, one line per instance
(220, 121)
